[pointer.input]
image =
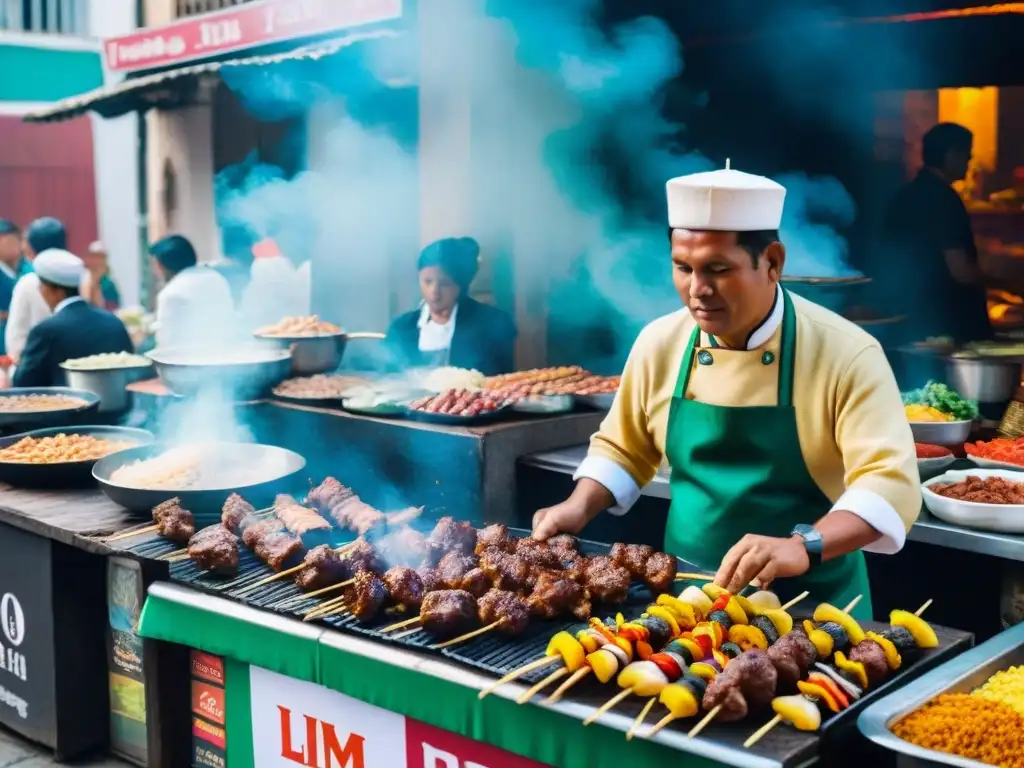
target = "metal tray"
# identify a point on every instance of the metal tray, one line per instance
(67, 474)
(205, 505)
(458, 421)
(380, 411)
(599, 402)
(40, 419)
(960, 675)
(545, 405)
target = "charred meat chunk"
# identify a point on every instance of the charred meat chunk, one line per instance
(298, 519)
(452, 536)
(171, 505)
(660, 572)
(322, 567)
(215, 549)
(563, 542)
(448, 612)
(508, 608)
(276, 549)
(235, 512)
(747, 683)
(177, 524)
(476, 583)
(554, 595)
(430, 578)
(496, 536)
(257, 530)
(632, 557)
(507, 572)
(538, 555)
(360, 556)
(573, 564)
(327, 494)
(367, 596)
(872, 656)
(606, 582)
(453, 568)
(405, 586)
(760, 679)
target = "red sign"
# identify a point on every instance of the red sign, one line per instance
(246, 26)
(210, 733)
(208, 667)
(429, 747)
(208, 701)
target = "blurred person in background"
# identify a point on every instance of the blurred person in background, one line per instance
(12, 267)
(98, 286)
(275, 288)
(450, 328)
(28, 309)
(194, 308)
(74, 329)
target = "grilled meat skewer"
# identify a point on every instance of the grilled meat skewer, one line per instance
(174, 522)
(215, 549)
(298, 519)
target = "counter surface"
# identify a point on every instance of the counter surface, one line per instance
(927, 530)
(69, 517)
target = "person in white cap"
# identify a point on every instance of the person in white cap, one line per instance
(76, 328)
(781, 421)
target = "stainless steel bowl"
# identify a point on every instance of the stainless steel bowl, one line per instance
(248, 373)
(109, 384)
(945, 433)
(985, 379)
(316, 354)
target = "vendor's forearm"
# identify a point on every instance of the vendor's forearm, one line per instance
(591, 497)
(844, 532)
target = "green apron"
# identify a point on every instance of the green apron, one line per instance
(740, 470)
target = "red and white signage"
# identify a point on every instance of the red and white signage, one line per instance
(245, 26)
(301, 724)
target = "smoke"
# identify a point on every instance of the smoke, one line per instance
(569, 154)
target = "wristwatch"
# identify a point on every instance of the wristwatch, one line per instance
(812, 542)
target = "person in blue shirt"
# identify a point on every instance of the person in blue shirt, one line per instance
(12, 267)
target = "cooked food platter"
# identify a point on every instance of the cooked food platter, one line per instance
(320, 389)
(983, 499)
(246, 373)
(44, 406)
(202, 476)
(63, 456)
(465, 407)
(316, 346)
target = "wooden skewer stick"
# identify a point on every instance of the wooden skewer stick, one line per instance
(129, 534)
(309, 595)
(578, 675)
(515, 674)
(695, 577)
(325, 607)
(799, 598)
(335, 610)
(400, 635)
(175, 553)
(401, 624)
(468, 635)
(276, 577)
(620, 696)
(178, 558)
(661, 724)
(640, 718)
(853, 604)
(705, 722)
(761, 732)
(924, 607)
(558, 674)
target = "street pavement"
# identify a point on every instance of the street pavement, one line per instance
(15, 751)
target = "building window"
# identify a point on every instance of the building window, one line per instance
(196, 7)
(67, 17)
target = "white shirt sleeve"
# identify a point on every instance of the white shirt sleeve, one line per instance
(874, 510)
(28, 309)
(619, 482)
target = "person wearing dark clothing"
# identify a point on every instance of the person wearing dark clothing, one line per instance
(76, 328)
(12, 266)
(450, 328)
(927, 240)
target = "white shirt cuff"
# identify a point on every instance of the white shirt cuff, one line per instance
(879, 514)
(618, 481)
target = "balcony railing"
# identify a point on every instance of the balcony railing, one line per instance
(195, 7)
(67, 17)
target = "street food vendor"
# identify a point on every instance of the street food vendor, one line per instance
(781, 421)
(450, 328)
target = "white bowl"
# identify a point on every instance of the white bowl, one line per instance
(1005, 518)
(993, 464)
(943, 433)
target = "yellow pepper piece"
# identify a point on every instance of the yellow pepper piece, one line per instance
(604, 663)
(825, 613)
(747, 637)
(713, 591)
(703, 671)
(619, 619)
(823, 642)
(783, 621)
(695, 597)
(892, 656)
(661, 612)
(569, 648)
(685, 613)
(748, 607)
(625, 645)
(695, 650)
(587, 640)
(798, 711)
(679, 700)
(854, 668)
(736, 613)
(919, 629)
(818, 693)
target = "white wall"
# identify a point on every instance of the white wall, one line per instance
(116, 151)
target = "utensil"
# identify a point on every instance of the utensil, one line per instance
(65, 474)
(316, 354)
(985, 379)
(109, 384)
(1005, 518)
(63, 416)
(545, 405)
(284, 469)
(944, 433)
(245, 374)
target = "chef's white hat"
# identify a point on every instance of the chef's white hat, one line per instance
(59, 267)
(726, 201)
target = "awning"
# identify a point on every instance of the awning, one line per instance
(170, 88)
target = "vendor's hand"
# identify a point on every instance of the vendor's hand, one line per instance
(760, 560)
(567, 517)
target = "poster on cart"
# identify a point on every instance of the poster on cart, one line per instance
(125, 660)
(209, 716)
(27, 696)
(295, 723)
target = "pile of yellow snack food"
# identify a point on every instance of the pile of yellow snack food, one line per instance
(918, 412)
(60, 449)
(986, 725)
